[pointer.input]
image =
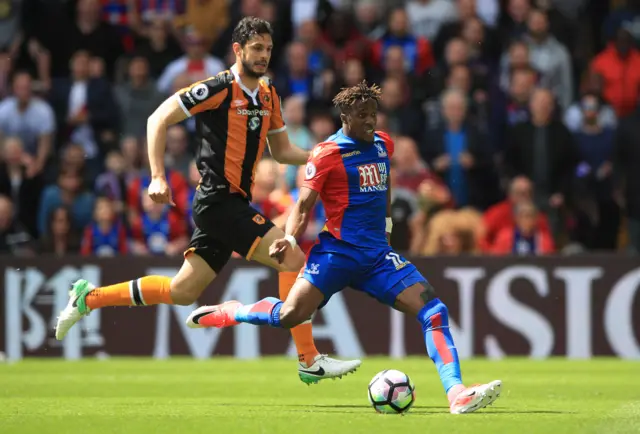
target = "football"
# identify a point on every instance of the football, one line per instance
(391, 391)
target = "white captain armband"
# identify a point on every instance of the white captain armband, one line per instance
(389, 225)
(292, 240)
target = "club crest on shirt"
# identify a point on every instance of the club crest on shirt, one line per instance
(265, 99)
(381, 151)
(312, 269)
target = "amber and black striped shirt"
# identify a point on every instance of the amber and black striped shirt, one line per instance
(232, 125)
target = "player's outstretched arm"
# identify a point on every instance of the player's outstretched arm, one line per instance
(168, 113)
(296, 223)
(301, 212)
(284, 152)
(199, 97)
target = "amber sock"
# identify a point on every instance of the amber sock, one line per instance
(145, 291)
(302, 334)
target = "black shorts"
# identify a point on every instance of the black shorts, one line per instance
(225, 223)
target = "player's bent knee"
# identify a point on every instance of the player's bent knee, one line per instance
(414, 298)
(184, 294)
(194, 276)
(428, 292)
(183, 298)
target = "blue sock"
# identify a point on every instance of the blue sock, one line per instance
(264, 312)
(434, 318)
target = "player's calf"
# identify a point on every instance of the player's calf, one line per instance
(291, 317)
(302, 302)
(420, 300)
(434, 318)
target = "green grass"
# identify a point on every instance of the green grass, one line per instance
(226, 396)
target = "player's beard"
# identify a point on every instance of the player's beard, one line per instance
(248, 69)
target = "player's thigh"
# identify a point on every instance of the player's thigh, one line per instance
(390, 275)
(293, 258)
(222, 217)
(246, 231)
(327, 271)
(203, 260)
(303, 300)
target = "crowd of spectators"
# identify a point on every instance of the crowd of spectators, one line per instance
(516, 122)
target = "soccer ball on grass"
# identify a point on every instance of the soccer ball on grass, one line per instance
(391, 391)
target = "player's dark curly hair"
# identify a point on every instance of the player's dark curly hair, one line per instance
(248, 27)
(359, 93)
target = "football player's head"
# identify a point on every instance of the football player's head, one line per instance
(359, 110)
(252, 45)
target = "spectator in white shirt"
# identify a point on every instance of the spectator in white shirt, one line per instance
(31, 119)
(427, 16)
(197, 64)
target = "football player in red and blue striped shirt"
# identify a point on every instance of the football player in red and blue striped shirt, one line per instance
(350, 173)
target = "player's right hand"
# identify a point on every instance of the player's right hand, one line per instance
(278, 249)
(160, 192)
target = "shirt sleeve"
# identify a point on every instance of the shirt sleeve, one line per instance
(388, 143)
(47, 121)
(204, 95)
(319, 166)
(277, 118)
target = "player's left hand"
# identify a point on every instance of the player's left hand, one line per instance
(278, 249)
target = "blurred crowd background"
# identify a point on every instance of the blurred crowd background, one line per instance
(516, 122)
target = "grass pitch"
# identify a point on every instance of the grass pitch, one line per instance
(227, 396)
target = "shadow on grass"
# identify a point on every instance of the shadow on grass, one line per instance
(418, 410)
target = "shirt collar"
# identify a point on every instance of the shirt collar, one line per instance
(252, 93)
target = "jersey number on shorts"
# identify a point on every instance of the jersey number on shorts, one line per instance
(398, 262)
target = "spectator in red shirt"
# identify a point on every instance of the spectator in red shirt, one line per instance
(501, 214)
(619, 66)
(105, 235)
(526, 236)
(158, 231)
(179, 190)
